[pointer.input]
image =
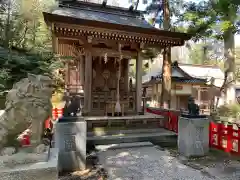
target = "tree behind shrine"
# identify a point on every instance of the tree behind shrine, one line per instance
(219, 20)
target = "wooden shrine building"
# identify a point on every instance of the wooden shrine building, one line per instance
(100, 40)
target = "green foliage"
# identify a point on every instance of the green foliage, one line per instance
(155, 9)
(22, 62)
(217, 20)
(197, 55)
(210, 18)
(232, 110)
(25, 41)
(4, 77)
(205, 54)
(150, 53)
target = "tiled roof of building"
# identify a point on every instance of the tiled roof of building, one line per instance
(187, 73)
(204, 72)
(177, 79)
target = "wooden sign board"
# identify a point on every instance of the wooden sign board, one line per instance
(178, 87)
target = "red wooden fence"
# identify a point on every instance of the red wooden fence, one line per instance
(222, 137)
(171, 116)
(56, 113)
(225, 137)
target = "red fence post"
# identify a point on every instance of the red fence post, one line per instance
(229, 138)
(219, 135)
(235, 139)
(170, 125)
(238, 141)
(167, 119)
(210, 134)
(175, 121)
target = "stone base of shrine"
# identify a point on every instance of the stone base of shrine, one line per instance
(135, 121)
(35, 171)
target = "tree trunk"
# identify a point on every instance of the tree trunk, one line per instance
(166, 66)
(229, 81)
(7, 27)
(166, 79)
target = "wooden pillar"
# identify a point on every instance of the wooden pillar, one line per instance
(88, 83)
(138, 83)
(126, 75)
(199, 96)
(81, 74)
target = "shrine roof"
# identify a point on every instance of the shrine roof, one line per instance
(102, 16)
(106, 14)
(183, 80)
(112, 18)
(178, 75)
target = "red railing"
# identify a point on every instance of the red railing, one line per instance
(222, 137)
(56, 113)
(171, 118)
(225, 137)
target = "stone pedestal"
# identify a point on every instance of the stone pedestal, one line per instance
(193, 135)
(35, 171)
(70, 138)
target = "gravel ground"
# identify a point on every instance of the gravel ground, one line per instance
(147, 163)
(154, 162)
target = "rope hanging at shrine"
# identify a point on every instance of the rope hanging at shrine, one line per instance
(118, 106)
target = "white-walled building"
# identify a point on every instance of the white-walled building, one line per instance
(187, 80)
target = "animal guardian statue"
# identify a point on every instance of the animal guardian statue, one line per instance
(28, 103)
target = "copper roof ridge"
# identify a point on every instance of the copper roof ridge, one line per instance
(134, 13)
(100, 5)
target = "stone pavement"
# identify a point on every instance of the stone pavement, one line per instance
(225, 171)
(142, 161)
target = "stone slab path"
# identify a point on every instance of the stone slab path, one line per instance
(142, 161)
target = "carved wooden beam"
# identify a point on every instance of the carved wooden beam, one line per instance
(78, 30)
(79, 46)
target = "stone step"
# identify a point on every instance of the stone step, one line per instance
(125, 138)
(101, 132)
(123, 145)
(137, 121)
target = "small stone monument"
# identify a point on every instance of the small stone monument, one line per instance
(193, 132)
(71, 138)
(28, 104)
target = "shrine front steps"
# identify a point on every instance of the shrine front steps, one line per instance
(124, 122)
(128, 136)
(121, 131)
